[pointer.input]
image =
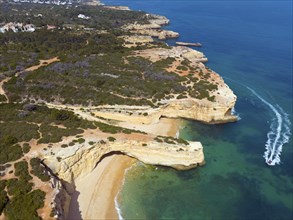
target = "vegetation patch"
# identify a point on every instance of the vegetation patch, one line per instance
(171, 140)
(9, 150)
(21, 170)
(26, 148)
(111, 139)
(25, 206)
(114, 129)
(39, 170)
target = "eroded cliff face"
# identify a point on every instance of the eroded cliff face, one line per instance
(79, 160)
(153, 28)
(61, 199)
(206, 112)
(188, 108)
(212, 112)
(82, 159)
(65, 165)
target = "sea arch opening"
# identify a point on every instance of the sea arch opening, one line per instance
(97, 190)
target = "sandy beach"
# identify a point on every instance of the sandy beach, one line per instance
(95, 193)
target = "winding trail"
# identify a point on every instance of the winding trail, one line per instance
(2, 91)
(29, 69)
(41, 64)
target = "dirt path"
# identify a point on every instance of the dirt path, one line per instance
(32, 68)
(2, 91)
(42, 63)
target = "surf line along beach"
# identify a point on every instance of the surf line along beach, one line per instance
(95, 193)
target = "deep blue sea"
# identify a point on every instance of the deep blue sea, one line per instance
(249, 43)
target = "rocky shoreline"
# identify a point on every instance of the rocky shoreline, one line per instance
(82, 159)
(189, 44)
(149, 139)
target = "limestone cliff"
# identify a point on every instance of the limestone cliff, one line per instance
(81, 159)
(189, 108)
(61, 199)
(78, 160)
(153, 28)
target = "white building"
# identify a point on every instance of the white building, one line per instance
(83, 16)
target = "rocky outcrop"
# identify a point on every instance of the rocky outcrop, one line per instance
(153, 28)
(81, 159)
(61, 201)
(189, 108)
(189, 44)
(157, 19)
(155, 32)
(135, 40)
(59, 197)
(201, 110)
(164, 34)
(193, 56)
(120, 8)
(179, 52)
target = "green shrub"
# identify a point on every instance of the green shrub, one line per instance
(81, 140)
(127, 131)
(21, 170)
(108, 128)
(8, 151)
(26, 148)
(184, 68)
(25, 206)
(39, 170)
(4, 199)
(112, 139)
(182, 141)
(17, 187)
(2, 184)
(181, 96)
(3, 98)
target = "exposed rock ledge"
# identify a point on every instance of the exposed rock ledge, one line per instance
(194, 109)
(82, 159)
(122, 8)
(153, 28)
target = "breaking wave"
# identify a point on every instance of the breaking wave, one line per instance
(233, 112)
(118, 209)
(117, 206)
(279, 133)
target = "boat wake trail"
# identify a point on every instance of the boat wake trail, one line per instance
(279, 133)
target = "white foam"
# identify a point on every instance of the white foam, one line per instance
(117, 207)
(279, 133)
(233, 112)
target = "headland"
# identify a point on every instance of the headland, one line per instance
(104, 88)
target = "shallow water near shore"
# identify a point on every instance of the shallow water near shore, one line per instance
(248, 43)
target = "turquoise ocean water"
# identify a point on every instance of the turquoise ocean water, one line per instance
(249, 43)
